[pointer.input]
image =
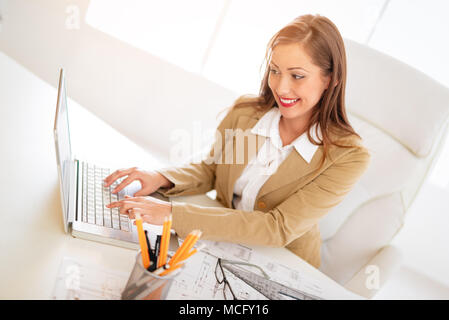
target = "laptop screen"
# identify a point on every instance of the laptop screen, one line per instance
(63, 148)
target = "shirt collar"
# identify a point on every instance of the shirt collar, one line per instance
(268, 126)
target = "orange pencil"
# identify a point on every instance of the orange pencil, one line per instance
(143, 242)
(185, 249)
(171, 269)
(167, 238)
(165, 241)
(185, 254)
(192, 252)
(189, 238)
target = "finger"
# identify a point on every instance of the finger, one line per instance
(121, 203)
(115, 204)
(125, 203)
(124, 184)
(143, 213)
(117, 174)
(137, 199)
(148, 219)
(142, 192)
(128, 205)
(131, 213)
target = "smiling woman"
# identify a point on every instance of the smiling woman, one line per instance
(306, 76)
(301, 106)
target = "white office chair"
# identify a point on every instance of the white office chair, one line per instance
(402, 116)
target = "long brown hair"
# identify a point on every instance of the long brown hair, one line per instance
(324, 44)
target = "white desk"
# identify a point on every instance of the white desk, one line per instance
(32, 238)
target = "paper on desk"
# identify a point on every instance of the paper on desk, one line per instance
(76, 281)
(197, 281)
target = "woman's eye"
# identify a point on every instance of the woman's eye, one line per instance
(297, 77)
(273, 71)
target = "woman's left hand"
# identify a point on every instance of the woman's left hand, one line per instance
(151, 209)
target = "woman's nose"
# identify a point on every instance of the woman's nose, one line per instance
(284, 86)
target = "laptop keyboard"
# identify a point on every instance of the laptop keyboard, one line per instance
(95, 196)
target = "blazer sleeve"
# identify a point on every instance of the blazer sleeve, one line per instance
(197, 178)
(284, 223)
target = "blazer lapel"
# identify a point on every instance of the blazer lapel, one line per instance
(236, 169)
(293, 168)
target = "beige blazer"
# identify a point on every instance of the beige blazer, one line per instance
(288, 206)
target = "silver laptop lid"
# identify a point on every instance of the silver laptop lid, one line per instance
(63, 148)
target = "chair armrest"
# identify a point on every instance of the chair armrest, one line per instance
(371, 277)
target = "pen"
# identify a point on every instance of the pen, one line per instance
(161, 250)
(157, 248)
(143, 242)
(152, 266)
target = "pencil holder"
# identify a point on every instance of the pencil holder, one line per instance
(144, 285)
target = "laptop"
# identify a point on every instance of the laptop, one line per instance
(83, 195)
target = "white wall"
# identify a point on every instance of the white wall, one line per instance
(144, 97)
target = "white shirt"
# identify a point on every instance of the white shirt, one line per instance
(268, 159)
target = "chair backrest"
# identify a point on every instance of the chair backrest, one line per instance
(401, 115)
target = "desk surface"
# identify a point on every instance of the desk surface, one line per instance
(32, 238)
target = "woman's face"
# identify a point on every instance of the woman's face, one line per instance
(297, 84)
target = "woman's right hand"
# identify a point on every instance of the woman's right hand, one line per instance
(150, 180)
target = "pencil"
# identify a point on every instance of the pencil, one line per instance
(189, 238)
(143, 242)
(158, 271)
(165, 241)
(186, 246)
(171, 269)
(186, 252)
(192, 252)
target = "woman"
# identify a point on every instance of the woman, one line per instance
(307, 157)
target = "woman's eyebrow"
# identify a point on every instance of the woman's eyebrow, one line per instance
(289, 68)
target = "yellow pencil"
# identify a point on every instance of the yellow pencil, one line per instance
(192, 252)
(167, 237)
(143, 242)
(185, 249)
(189, 238)
(186, 253)
(165, 241)
(171, 269)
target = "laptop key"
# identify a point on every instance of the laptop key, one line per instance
(124, 226)
(108, 222)
(115, 224)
